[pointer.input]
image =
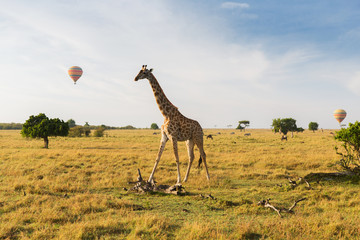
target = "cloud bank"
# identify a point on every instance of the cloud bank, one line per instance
(206, 67)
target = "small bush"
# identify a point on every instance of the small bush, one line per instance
(99, 132)
(350, 151)
(77, 131)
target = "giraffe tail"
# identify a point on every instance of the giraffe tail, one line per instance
(200, 161)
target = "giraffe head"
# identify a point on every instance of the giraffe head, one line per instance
(144, 73)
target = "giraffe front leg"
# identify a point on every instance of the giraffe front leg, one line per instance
(175, 147)
(163, 141)
(190, 148)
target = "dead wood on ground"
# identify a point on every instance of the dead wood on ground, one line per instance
(142, 186)
(266, 203)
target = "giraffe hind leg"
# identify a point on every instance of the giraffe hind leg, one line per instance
(203, 158)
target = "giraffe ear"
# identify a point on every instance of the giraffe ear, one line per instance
(150, 70)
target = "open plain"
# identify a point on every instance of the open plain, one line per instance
(77, 189)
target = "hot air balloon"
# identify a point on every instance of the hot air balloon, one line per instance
(339, 115)
(75, 73)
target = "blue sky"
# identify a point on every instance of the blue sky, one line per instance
(219, 62)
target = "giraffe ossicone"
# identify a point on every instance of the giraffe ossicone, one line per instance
(176, 128)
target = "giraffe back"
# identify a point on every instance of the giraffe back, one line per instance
(183, 128)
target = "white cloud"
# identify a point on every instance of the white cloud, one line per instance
(354, 83)
(234, 5)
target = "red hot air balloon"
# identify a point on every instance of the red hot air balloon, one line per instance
(339, 115)
(75, 73)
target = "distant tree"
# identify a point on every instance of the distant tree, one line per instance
(288, 125)
(243, 124)
(276, 125)
(154, 126)
(41, 126)
(128, 127)
(10, 126)
(77, 131)
(285, 125)
(300, 129)
(350, 152)
(99, 132)
(87, 129)
(313, 126)
(71, 123)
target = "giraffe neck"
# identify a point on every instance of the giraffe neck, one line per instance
(165, 106)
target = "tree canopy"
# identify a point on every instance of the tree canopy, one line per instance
(243, 124)
(276, 125)
(41, 126)
(154, 126)
(71, 123)
(288, 125)
(285, 125)
(313, 126)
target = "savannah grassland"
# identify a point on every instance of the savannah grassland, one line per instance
(75, 189)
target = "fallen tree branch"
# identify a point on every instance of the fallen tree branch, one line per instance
(142, 186)
(294, 205)
(266, 203)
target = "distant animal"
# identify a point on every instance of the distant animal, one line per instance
(283, 137)
(232, 133)
(209, 137)
(247, 134)
(176, 128)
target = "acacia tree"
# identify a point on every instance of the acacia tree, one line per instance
(288, 125)
(276, 125)
(243, 124)
(71, 123)
(154, 126)
(86, 129)
(41, 126)
(313, 126)
(285, 125)
(350, 153)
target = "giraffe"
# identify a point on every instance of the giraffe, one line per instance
(176, 128)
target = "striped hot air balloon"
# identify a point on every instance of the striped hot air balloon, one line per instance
(75, 73)
(339, 115)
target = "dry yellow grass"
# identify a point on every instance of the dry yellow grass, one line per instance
(74, 190)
